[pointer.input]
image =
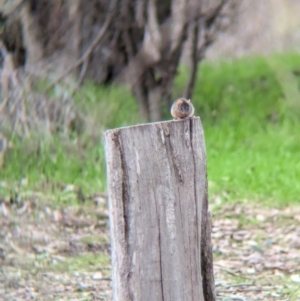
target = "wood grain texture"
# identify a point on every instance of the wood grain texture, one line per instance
(160, 235)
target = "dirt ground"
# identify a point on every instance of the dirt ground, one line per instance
(256, 253)
(51, 252)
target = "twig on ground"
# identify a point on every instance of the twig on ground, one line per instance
(240, 284)
(232, 273)
(294, 292)
(254, 289)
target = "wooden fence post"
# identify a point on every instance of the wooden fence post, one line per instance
(159, 219)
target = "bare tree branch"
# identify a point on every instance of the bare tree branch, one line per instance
(138, 43)
(213, 13)
(110, 16)
(194, 32)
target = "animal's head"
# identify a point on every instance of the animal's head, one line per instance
(183, 104)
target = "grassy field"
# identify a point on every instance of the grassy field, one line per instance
(250, 110)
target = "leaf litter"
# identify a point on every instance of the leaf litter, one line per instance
(52, 252)
(256, 252)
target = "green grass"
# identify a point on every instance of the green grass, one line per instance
(76, 160)
(250, 110)
(251, 125)
(52, 161)
(83, 262)
(251, 129)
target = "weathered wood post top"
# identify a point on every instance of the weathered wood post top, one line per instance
(159, 220)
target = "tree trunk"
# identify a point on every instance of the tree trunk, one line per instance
(159, 220)
(141, 45)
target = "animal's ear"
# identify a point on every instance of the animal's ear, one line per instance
(189, 100)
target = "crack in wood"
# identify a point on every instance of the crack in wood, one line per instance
(125, 192)
(160, 260)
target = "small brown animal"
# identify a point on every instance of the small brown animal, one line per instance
(182, 108)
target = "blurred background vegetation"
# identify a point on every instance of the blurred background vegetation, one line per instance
(71, 69)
